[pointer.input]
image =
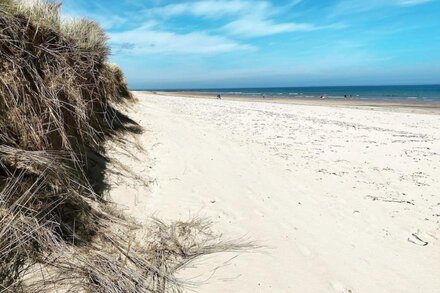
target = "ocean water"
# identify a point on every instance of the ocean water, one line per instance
(422, 93)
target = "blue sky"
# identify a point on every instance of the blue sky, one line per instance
(225, 43)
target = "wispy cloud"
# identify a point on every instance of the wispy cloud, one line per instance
(249, 18)
(210, 8)
(360, 6)
(257, 27)
(147, 40)
(240, 18)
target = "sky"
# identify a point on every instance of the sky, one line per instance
(163, 44)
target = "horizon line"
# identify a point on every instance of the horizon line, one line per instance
(276, 87)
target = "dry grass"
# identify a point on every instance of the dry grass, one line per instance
(58, 106)
(39, 12)
(144, 261)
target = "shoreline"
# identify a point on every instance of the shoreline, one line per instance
(394, 106)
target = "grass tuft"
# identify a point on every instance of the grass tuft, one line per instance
(60, 102)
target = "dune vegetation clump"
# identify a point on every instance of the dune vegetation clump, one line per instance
(60, 102)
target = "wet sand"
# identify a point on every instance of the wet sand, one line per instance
(394, 106)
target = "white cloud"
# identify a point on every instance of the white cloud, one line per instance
(251, 18)
(210, 8)
(147, 40)
(256, 27)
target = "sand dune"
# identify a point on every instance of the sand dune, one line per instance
(345, 200)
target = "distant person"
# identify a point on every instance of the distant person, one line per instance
(219, 97)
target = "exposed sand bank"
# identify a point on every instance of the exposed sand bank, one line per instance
(346, 199)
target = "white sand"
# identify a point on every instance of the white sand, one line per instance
(337, 194)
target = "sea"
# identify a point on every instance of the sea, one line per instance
(422, 93)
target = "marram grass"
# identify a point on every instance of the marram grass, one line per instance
(59, 101)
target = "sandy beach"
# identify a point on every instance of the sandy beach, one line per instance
(343, 198)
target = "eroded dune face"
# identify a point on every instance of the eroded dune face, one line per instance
(57, 98)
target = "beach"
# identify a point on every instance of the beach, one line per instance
(341, 197)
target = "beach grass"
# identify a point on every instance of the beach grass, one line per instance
(60, 102)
